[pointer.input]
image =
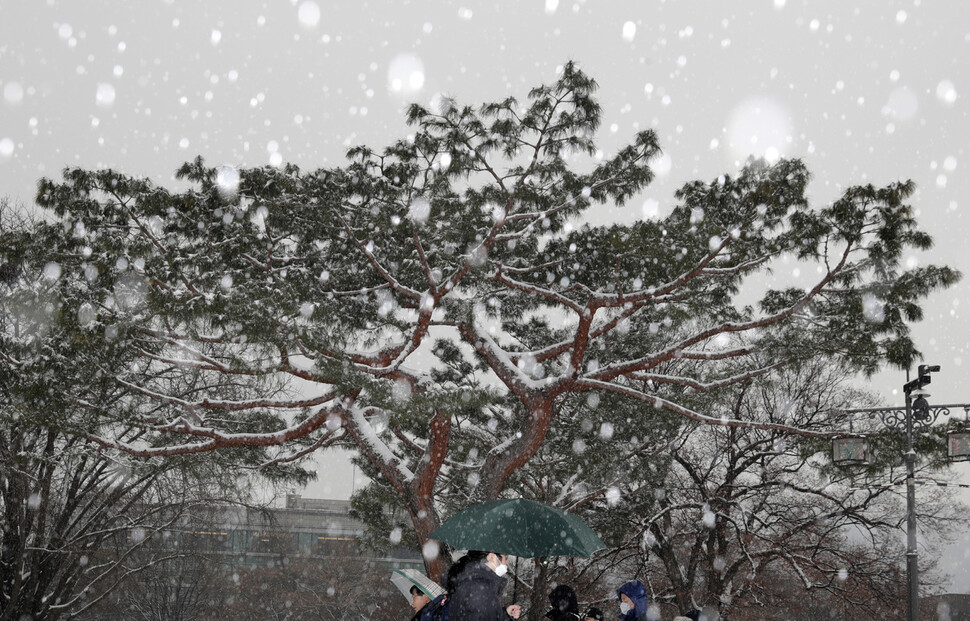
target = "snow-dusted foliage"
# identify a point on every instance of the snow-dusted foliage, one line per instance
(78, 519)
(451, 283)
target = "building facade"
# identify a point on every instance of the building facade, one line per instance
(303, 527)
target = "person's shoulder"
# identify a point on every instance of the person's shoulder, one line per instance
(433, 610)
(476, 573)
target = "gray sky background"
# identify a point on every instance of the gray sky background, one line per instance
(864, 92)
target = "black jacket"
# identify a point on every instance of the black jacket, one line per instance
(476, 595)
(564, 604)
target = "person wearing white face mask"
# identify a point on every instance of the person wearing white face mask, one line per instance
(633, 601)
(475, 584)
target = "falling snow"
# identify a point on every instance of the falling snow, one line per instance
(143, 90)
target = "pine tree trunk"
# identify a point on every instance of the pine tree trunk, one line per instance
(538, 599)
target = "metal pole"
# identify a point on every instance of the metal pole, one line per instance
(912, 571)
(927, 416)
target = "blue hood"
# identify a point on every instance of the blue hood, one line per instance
(637, 593)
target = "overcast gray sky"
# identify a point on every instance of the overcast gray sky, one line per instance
(864, 92)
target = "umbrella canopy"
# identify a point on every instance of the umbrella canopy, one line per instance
(404, 579)
(521, 528)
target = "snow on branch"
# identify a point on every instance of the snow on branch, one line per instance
(325, 440)
(217, 439)
(675, 350)
(381, 270)
(228, 405)
(619, 299)
(659, 378)
(376, 450)
(539, 291)
(501, 362)
(688, 413)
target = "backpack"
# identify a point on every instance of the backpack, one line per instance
(436, 609)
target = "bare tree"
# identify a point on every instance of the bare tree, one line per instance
(76, 525)
(744, 510)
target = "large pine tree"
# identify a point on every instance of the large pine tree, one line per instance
(458, 282)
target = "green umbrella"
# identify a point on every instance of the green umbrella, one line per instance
(521, 528)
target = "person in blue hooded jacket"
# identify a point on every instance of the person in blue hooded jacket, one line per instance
(633, 601)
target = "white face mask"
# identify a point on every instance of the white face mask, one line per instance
(501, 570)
(624, 608)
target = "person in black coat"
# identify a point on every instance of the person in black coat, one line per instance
(436, 609)
(564, 604)
(475, 584)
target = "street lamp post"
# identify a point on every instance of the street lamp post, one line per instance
(917, 416)
(921, 409)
